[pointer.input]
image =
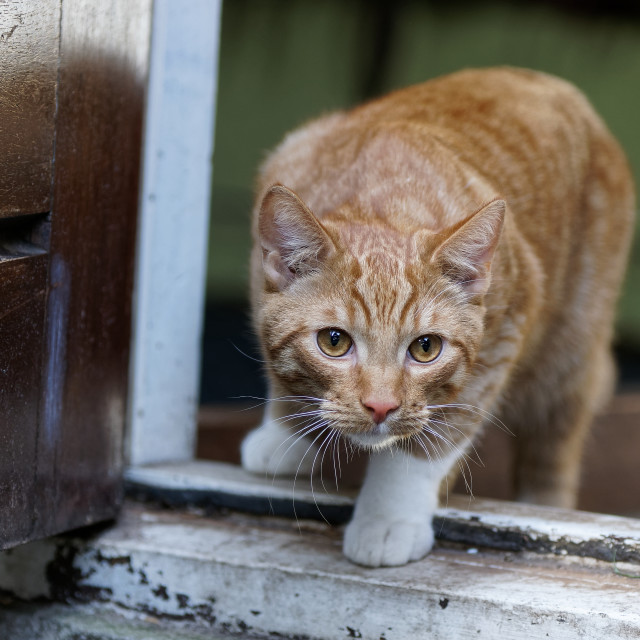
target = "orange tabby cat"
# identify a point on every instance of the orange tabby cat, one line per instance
(439, 259)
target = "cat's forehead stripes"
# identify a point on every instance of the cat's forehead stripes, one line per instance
(379, 291)
(382, 246)
(383, 293)
(361, 303)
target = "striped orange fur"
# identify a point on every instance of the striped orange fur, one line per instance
(491, 209)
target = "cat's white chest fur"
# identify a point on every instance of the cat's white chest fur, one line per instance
(391, 524)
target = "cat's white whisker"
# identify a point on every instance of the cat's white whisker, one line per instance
(463, 457)
(427, 428)
(298, 435)
(298, 416)
(322, 426)
(460, 451)
(487, 415)
(246, 355)
(295, 478)
(337, 471)
(422, 445)
(434, 444)
(326, 445)
(323, 448)
(468, 441)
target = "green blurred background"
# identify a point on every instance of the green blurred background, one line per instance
(284, 62)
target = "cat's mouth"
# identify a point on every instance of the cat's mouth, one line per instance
(377, 437)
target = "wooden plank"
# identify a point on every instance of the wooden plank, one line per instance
(22, 294)
(29, 40)
(102, 77)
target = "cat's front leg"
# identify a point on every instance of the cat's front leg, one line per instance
(391, 523)
(276, 449)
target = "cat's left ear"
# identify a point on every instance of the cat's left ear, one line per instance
(293, 242)
(469, 247)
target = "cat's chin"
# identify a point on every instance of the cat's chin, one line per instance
(371, 440)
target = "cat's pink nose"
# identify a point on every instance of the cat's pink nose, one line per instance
(380, 409)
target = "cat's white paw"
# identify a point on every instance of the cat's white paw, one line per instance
(273, 450)
(379, 543)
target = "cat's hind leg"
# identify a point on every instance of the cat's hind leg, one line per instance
(550, 435)
(282, 445)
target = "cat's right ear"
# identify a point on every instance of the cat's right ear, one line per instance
(468, 249)
(293, 242)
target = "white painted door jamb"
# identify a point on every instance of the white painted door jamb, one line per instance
(173, 231)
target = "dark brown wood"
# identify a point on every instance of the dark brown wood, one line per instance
(610, 471)
(93, 229)
(29, 39)
(221, 429)
(22, 295)
(66, 276)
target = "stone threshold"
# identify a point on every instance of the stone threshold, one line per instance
(269, 576)
(477, 522)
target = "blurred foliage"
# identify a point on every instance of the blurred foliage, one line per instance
(283, 62)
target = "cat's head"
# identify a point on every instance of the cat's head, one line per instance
(377, 325)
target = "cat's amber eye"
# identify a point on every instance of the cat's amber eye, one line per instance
(334, 342)
(426, 348)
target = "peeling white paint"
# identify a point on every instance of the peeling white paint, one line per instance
(261, 575)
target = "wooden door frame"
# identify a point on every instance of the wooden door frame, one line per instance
(75, 75)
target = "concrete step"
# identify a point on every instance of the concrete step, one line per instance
(268, 576)
(20, 621)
